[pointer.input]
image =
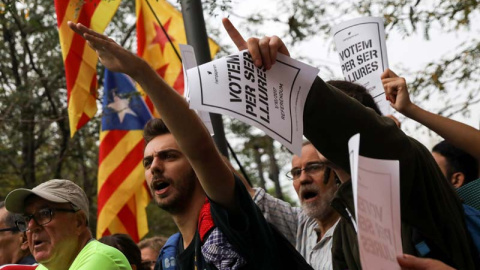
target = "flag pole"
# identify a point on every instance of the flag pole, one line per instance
(197, 37)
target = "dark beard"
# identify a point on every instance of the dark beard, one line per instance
(179, 202)
(174, 206)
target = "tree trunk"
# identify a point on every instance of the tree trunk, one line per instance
(274, 171)
(258, 160)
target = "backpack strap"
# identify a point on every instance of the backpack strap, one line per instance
(167, 258)
(205, 221)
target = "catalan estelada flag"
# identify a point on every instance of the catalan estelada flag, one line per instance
(79, 59)
(122, 190)
(154, 46)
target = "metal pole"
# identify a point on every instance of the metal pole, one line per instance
(197, 37)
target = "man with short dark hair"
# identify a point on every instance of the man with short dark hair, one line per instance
(459, 167)
(206, 227)
(54, 215)
(13, 243)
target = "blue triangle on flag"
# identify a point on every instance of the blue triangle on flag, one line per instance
(123, 106)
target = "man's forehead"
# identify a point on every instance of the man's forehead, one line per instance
(34, 202)
(161, 143)
(309, 154)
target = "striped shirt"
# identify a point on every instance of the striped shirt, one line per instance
(298, 228)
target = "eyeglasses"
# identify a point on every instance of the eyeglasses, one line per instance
(41, 217)
(11, 229)
(310, 169)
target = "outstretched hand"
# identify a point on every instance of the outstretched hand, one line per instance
(111, 55)
(396, 91)
(263, 51)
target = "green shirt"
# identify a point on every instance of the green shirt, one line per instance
(96, 255)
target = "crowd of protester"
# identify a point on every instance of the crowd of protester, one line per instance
(224, 223)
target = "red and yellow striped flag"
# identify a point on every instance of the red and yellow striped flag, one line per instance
(79, 59)
(122, 191)
(154, 46)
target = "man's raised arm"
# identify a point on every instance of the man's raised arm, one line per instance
(190, 133)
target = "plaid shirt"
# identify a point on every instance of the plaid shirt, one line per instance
(470, 194)
(219, 252)
(298, 228)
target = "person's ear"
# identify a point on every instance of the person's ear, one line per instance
(457, 179)
(24, 241)
(81, 220)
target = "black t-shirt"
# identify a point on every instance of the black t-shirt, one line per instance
(192, 256)
(250, 235)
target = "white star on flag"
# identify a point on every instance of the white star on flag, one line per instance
(120, 106)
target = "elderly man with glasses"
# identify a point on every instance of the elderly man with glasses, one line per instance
(309, 228)
(54, 216)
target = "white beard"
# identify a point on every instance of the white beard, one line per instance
(320, 208)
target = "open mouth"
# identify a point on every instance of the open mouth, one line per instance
(160, 186)
(307, 195)
(37, 243)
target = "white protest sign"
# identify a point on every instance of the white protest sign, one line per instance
(189, 61)
(362, 50)
(271, 100)
(378, 212)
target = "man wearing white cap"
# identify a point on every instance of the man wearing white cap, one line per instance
(55, 218)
